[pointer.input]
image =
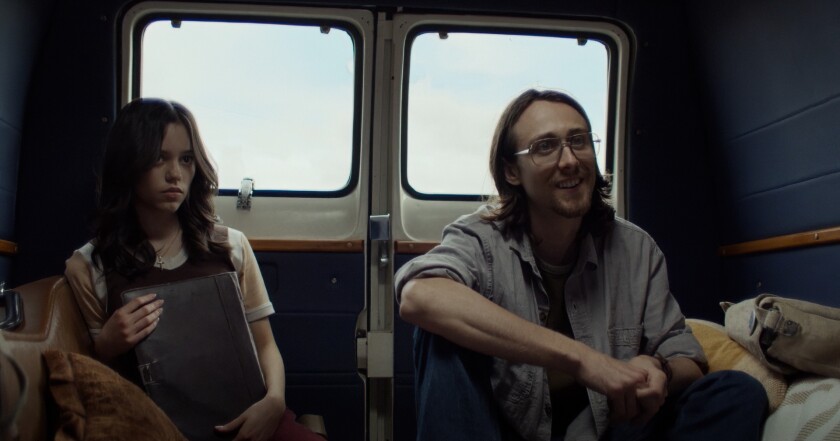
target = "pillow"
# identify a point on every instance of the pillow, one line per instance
(96, 403)
(810, 412)
(723, 353)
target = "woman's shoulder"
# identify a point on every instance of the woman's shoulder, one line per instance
(232, 236)
(86, 252)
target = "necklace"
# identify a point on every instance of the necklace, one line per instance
(164, 250)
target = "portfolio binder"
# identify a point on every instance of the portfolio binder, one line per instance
(200, 364)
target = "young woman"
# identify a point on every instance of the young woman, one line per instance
(155, 224)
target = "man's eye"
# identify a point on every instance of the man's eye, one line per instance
(544, 146)
(577, 141)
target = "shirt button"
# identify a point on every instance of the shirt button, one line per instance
(543, 316)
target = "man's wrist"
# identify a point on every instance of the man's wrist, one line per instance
(665, 366)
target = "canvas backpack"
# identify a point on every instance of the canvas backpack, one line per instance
(788, 335)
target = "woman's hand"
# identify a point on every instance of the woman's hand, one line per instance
(128, 325)
(258, 422)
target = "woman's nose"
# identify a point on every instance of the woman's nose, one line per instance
(173, 172)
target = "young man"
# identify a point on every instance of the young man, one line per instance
(545, 317)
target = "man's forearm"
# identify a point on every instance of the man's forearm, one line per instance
(459, 314)
(685, 371)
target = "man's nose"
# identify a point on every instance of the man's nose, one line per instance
(567, 157)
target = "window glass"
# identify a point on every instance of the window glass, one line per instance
(274, 102)
(460, 82)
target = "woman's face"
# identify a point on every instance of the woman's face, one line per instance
(165, 186)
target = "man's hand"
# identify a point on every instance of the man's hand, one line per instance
(650, 396)
(128, 325)
(258, 422)
(616, 379)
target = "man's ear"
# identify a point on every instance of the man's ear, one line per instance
(512, 173)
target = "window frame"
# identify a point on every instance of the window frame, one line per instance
(417, 219)
(151, 12)
(610, 45)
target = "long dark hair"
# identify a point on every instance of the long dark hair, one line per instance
(132, 148)
(512, 203)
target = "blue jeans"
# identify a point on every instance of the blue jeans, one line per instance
(455, 402)
(724, 405)
(452, 392)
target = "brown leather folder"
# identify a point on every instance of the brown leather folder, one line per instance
(200, 364)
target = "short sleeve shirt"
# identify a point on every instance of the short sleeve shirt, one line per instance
(254, 294)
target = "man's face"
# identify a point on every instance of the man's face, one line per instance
(562, 187)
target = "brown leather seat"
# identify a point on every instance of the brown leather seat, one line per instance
(52, 320)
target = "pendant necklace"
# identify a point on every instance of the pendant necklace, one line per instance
(164, 250)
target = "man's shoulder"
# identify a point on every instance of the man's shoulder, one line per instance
(626, 231)
(476, 223)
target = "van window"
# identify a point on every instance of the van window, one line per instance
(275, 102)
(460, 82)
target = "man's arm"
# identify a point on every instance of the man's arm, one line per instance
(461, 315)
(685, 371)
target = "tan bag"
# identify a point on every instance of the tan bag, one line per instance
(786, 334)
(12, 392)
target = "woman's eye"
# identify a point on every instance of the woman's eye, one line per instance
(187, 159)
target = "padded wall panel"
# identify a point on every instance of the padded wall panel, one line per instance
(802, 206)
(317, 297)
(9, 152)
(805, 273)
(70, 105)
(667, 173)
(5, 270)
(773, 102)
(9, 148)
(21, 25)
(783, 178)
(21, 28)
(766, 60)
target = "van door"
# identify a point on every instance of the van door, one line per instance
(282, 96)
(450, 78)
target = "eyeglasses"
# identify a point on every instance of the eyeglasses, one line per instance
(549, 150)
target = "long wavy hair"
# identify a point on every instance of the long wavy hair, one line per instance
(511, 205)
(132, 148)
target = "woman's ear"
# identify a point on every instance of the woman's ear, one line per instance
(512, 174)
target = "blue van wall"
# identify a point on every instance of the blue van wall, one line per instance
(773, 103)
(22, 23)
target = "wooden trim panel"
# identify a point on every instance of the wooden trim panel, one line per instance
(796, 240)
(413, 247)
(307, 246)
(8, 248)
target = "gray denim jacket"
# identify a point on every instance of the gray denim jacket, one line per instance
(617, 298)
